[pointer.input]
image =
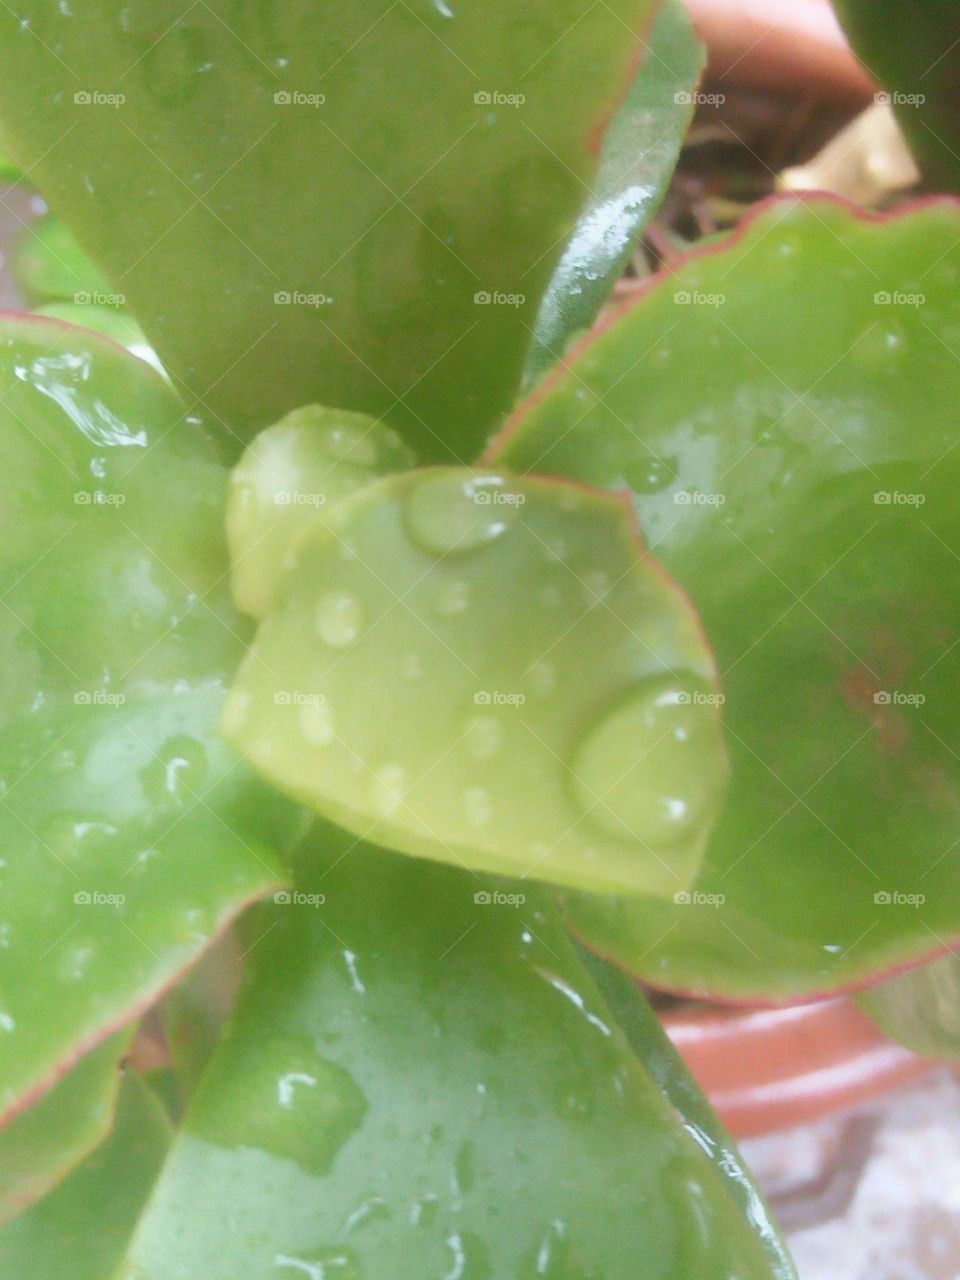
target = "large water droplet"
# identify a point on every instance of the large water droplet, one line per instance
(477, 808)
(653, 768)
(349, 442)
(448, 514)
(339, 620)
(291, 1103)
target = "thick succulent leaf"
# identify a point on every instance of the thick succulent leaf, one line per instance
(650, 1043)
(422, 159)
(81, 1230)
(290, 477)
(113, 323)
(40, 1147)
(913, 51)
(639, 153)
(193, 1013)
(419, 1082)
(783, 409)
(48, 263)
(492, 673)
(920, 1007)
(131, 834)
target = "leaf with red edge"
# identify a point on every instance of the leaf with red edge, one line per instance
(783, 408)
(131, 834)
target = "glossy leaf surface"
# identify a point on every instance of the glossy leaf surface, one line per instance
(913, 52)
(920, 1007)
(648, 1040)
(81, 1230)
(48, 263)
(113, 323)
(783, 411)
(423, 1084)
(397, 266)
(494, 674)
(640, 150)
(41, 1146)
(131, 834)
(290, 476)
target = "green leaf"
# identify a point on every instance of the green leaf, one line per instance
(639, 154)
(48, 263)
(289, 478)
(131, 834)
(81, 1230)
(782, 408)
(40, 1147)
(418, 157)
(109, 321)
(494, 674)
(920, 1007)
(913, 51)
(653, 1048)
(418, 1083)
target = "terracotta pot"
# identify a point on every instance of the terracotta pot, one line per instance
(766, 1069)
(791, 46)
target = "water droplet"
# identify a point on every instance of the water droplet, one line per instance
(454, 598)
(339, 620)
(650, 475)
(326, 1263)
(471, 1260)
(373, 1209)
(550, 1259)
(296, 1105)
(317, 723)
(70, 836)
(176, 772)
(653, 769)
(447, 514)
(477, 808)
(483, 737)
(551, 597)
(7, 1022)
(411, 666)
(75, 961)
(543, 678)
(388, 787)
